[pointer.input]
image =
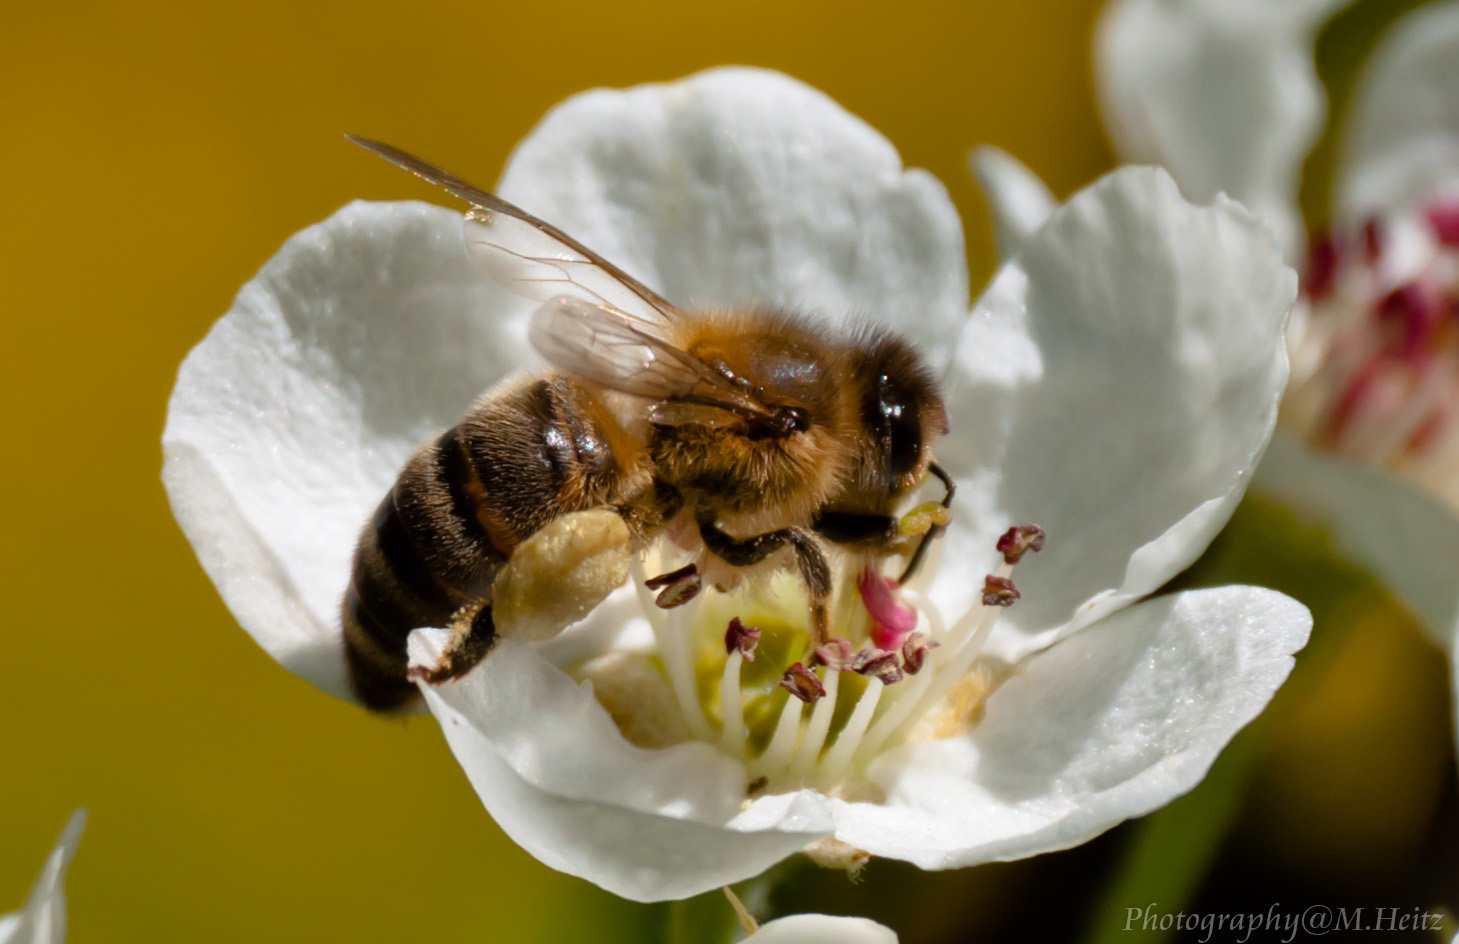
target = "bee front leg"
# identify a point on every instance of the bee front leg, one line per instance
(816, 573)
(745, 552)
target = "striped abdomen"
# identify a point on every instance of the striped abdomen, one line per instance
(430, 555)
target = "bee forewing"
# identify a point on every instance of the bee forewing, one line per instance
(605, 345)
(522, 258)
(611, 347)
(532, 257)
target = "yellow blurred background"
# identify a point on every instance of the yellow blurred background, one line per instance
(155, 155)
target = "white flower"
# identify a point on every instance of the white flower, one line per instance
(1116, 383)
(1226, 96)
(43, 918)
(821, 929)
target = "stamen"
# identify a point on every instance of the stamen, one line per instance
(838, 758)
(680, 587)
(741, 638)
(949, 666)
(878, 664)
(835, 652)
(809, 747)
(1019, 540)
(674, 642)
(732, 734)
(999, 591)
(915, 650)
(803, 683)
(787, 733)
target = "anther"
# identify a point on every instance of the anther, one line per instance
(679, 587)
(1018, 540)
(743, 638)
(877, 664)
(914, 651)
(835, 653)
(803, 683)
(999, 591)
(673, 576)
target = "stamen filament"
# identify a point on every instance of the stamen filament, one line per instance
(674, 644)
(809, 748)
(838, 758)
(732, 735)
(782, 743)
(945, 667)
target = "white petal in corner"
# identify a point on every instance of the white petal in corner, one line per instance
(1017, 199)
(743, 186)
(362, 337)
(558, 777)
(1116, 384)
(1109, 724)
(1224, 93)
(1402, 139)
(1405, 537)
(43, 919)
(822, 929)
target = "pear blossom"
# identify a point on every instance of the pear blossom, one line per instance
(808, 928)
(1116, 384)
(821, 929)
(1226, 96)
(42, 920)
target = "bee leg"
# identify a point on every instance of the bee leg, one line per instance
(473, 634)
(844, 527)
(563, 570)
(743, 552)
(816, 573)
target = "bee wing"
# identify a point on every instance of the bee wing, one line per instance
(534, 258)
(612, 347)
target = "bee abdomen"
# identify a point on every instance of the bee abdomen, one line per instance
(462, 504)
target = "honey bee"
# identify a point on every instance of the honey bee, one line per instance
(761, 434)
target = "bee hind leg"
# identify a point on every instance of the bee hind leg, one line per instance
(473, 634)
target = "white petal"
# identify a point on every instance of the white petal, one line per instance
(362, 337)
(558, 777)
(1402, 535)
(1224, 93)
(1402, 140)
(1116, 385)
(43, 919)
(1017, 198)
(744, 186)
(822, 929)
(1109, 724)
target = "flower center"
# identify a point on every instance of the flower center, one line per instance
(1375, 349)
(746, 678)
